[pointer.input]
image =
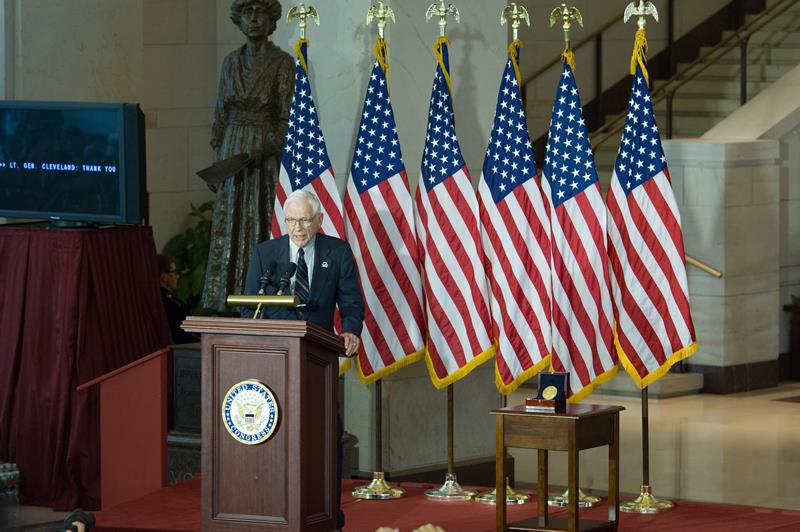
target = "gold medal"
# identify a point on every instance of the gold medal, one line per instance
(549, 393)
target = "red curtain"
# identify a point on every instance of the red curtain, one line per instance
(74, 305)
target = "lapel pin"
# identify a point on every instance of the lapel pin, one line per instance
(324, 264)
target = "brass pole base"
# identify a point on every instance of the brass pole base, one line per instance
(584, 501)
(512, 497)
(378, 489)
(450, 491)
(646, 503)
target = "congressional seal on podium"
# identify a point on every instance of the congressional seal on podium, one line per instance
(250, 412)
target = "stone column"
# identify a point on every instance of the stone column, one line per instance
(729, 197)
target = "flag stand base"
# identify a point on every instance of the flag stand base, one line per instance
(584, 501)
(450, 491)
(512, 497)
(646, 503)
(378, 489)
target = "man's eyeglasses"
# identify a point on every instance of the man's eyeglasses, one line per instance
(173, 271)
(305, 222)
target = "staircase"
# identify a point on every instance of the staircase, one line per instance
(714, 94)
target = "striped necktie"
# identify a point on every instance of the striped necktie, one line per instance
(301, 278)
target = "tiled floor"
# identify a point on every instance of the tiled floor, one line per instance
(740, 448)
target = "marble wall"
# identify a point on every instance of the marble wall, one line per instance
(182, 49)
(6, 48)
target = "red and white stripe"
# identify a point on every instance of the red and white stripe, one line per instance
(651, 295)
(380, 228)
(516, 242)
(456, 299)
(583, 334)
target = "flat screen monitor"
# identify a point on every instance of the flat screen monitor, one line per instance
(72, 162)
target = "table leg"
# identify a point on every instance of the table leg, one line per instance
(572, 482)
(542, 488)
(613, 472)
(500, 474)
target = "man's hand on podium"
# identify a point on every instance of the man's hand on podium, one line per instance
(351, 342)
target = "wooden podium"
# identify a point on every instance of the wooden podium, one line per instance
(287, 482)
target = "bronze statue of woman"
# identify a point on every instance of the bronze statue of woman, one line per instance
(251, 116)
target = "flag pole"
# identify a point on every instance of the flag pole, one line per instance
(646, 502)
(568, 15)
(378, 489)
(451, 490)
(514, 15)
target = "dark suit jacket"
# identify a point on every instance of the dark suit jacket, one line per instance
(334, 281)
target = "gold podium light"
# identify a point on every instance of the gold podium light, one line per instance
(262, 301)
(270, 301)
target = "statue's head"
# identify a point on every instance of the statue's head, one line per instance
(244, 12)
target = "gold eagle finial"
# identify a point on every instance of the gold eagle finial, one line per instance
(642, 10)
(567, 15)
(380, 12)
(514, 14)
(442, 11)
(303, 13)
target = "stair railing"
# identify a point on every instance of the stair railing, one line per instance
(740, 37)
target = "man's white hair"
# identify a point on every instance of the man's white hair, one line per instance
(301, 195)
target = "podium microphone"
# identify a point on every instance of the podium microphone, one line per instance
(266, 279)
(286, 278)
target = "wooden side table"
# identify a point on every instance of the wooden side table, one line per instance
(581, 427)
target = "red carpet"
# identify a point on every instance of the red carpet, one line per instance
(177, 508)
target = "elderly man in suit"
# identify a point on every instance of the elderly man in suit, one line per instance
(326, 274)
(325, 277)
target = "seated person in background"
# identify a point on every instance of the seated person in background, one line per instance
(175, 309)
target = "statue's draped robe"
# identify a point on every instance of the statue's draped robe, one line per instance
(252, 112)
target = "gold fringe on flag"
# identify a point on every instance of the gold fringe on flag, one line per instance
(639, 51)
(569, 56)
(437, 50)
(513, 53)
(381, 51)
(299, 53)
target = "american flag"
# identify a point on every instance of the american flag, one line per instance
(379, 213)
(305, 164)
(651, 295)
(583, 333)
(516, 241)
(456, 299)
